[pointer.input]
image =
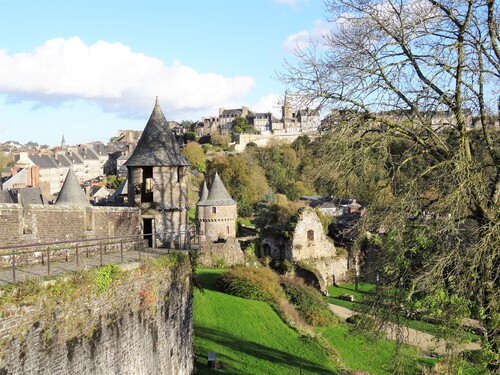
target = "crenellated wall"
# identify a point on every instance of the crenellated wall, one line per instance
(140, 324)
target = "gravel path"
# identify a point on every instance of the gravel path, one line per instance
(423, 340)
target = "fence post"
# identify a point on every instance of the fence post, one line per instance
(153, 237)
(48, 261)
(14, 267)
(121, 251)
(100, 254)
(77, 256)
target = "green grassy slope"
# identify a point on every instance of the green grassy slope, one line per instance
(249, 337)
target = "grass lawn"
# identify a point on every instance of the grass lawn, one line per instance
(249, 337)
(247, 221)
(366, 288)
(358, 353)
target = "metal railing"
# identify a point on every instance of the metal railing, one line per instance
(50, 251)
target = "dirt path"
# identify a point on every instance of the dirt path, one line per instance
(425, 341)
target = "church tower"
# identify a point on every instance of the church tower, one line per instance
(158, 183)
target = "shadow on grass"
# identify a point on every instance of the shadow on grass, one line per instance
(256, 350)
(208, 278)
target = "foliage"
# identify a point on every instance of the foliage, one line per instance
(283, 168)
(310, 303)
(257, 283)
(190, 136)
(241, 125)
(405, 83)
(104, 276)
(277, 215)
(243, 178)
(196, 156)
(113, 182)
(218, 139)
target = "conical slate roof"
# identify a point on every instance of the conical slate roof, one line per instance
(204, 193)
(217, 195)
(157, 145)
(71, 193)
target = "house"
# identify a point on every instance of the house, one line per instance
(227, 116)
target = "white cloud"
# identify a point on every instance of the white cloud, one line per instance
(113, 76)
(303, 38)
(268, 103)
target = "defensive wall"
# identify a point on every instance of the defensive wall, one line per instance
(135, 321)
(32, 224)
(242, 140)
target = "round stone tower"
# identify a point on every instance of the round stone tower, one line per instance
(216, 212)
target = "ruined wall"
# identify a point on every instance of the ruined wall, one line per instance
(141, 324)
(310, 245)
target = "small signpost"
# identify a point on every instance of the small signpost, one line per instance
(211, 360)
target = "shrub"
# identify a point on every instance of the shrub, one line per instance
(103, 276)
(309, 302)
(260, 284)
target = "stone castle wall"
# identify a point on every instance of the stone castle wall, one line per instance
(141, 325)
(34, 224)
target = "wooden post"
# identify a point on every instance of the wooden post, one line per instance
(48, 262)
(77, 256)
(121, 251)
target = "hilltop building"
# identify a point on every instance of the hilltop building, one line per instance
(302, 121)
(158, 183)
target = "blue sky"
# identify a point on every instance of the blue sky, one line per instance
(86, 69)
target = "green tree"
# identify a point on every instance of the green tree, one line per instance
(244, 179)
(112, 181)
(196, 156)
(217, 139)
(241, 125)
(405, 81)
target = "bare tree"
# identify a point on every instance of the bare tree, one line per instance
(422, 77)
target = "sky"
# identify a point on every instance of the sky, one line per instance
(88, 68)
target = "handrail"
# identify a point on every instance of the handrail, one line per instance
(99, 242)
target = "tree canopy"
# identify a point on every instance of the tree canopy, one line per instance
(412, 88)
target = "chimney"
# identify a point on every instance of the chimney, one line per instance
(220, 111)
(244, 110)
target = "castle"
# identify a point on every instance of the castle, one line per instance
(157, 203)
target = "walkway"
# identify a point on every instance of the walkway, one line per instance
(56, 268)
(425, 341)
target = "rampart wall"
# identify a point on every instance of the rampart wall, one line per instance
(35, 224)
(141, 323)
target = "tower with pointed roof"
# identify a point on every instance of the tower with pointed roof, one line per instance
(216, 212)
(158, 183)
(71, 193)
